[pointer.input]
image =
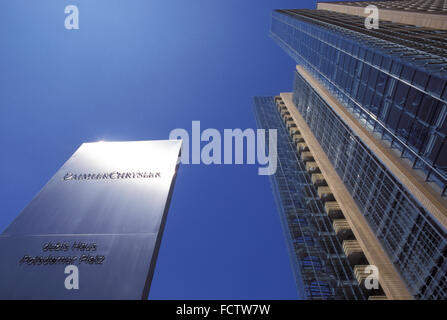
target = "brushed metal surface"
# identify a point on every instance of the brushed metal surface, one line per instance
(123, 217)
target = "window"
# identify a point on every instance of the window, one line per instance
(413, 101)
(386, 63)
(305, 240)
(396, 68)
(311, 262)
(381, 83)
(435, 86)
(318, 289)
(427, 108)
(420, 79)
(401, 94)
(407, 73)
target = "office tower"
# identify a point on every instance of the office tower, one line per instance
(320, 268)
(370, 106)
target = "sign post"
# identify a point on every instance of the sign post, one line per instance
(94, 230)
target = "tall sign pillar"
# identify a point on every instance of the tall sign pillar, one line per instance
(94, 230)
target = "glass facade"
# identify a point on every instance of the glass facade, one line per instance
(415, 243)
(392, 79)
(321, 269)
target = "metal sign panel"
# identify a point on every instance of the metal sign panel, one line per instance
(102, 212)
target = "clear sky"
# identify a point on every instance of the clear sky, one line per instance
(135, 70)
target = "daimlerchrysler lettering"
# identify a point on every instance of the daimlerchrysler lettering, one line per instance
(112, 175)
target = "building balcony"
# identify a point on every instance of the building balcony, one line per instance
(342, 229)
(333, 210)
(281, 106)
(353, 251)
(296, 135)
(290, 124)
(293, 130)
(360, 273)
(307, 156)
(318, 179)
(325, 193)
(312, 167)
(302, 146)
(285, 115)
(298, 138)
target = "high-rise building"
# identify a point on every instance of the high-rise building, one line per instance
(320, 268)
(364, 133)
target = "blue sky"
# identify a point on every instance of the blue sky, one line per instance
(135, 70)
